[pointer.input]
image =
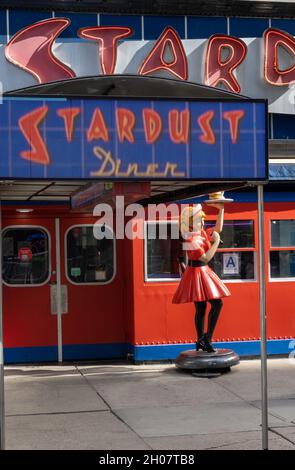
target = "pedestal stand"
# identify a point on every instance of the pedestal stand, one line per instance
(203, 364)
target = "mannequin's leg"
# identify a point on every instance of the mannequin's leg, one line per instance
(216, 306)
(200, 318)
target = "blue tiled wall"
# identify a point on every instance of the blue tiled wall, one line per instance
(18, 19)
(286, 25)
(283, 126)
(149, 27)
(133, 22)
(205, 27)
(154, 25)
(78, 20)
(248, 27)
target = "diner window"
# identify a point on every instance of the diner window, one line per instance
(90, 260)
(162, 251)
(235, 260)
(25, 256)
(282, 251)
(236, 257)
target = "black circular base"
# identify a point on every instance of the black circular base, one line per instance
(196, 360)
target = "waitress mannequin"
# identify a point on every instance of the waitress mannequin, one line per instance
(199, 284)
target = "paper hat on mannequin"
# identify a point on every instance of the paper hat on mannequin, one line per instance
(187, 213)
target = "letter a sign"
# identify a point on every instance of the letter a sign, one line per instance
(231, 263)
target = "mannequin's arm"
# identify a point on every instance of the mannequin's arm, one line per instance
(220, 217)
(206, 257)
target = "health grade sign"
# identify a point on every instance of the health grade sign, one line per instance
(134, 139)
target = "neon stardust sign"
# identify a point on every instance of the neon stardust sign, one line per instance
(31, 49)
(133, 138)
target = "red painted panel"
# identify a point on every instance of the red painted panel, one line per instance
(157, 320)
(27, 320)
(280, 294)
(96, 313)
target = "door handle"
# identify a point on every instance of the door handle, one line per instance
(53, 298)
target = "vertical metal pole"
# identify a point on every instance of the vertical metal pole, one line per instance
(58, 290)
(263, 353)
(2, 407)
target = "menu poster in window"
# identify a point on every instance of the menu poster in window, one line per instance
(231, 263)
(8, 246)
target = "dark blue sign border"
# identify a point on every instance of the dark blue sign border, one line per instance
(203, 130)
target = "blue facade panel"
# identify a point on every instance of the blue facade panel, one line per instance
(284, 24)
(78, 20)
(19, 19)
(133, 22)
(204, 27)
(154, 25)
(248, 27)
(283, 126)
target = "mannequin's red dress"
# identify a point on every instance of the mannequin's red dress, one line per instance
(199, 283)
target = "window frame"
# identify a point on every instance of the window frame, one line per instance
(157, 279)
(278, 248)
(253, 249)
(41, 227)
(220, 250)
(66, 257)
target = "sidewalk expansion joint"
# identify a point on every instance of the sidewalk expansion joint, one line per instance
(112, 411)
(56, 413)
(274, 431)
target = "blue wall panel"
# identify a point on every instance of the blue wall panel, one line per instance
(18, 19)
(248, 27)
(285, 25)
(133, 22)
(154, 25)
(78, 20)
(283, 126)
(3, 30)
(204, 27)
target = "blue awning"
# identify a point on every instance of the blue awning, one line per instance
(281, 171)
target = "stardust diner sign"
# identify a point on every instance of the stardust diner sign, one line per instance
(31, 49)
(118, 139)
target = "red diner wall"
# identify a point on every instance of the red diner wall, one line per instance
(158, 321)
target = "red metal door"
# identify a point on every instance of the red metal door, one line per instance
(30, 329)
(91, 275)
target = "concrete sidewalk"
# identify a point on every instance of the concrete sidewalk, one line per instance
(122, 406)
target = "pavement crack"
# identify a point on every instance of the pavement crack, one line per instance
(111, 409)
(274, 431)
(270, 413)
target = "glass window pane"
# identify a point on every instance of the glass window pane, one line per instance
(282, 233)
(25, 256)
(236, 233)
(89, 259)
(163, 251)
(234, 265)
(282, 264)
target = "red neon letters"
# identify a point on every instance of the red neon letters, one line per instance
(273, 39)
(152, 124)
(31, 49)
(218, 69)
(125, 122)
(107, 37)
(29, 126)
(98, 129)
(234, 117)
(177, 123)
(69, 115)
(179, 126)
(204, 121)
(156, 60)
